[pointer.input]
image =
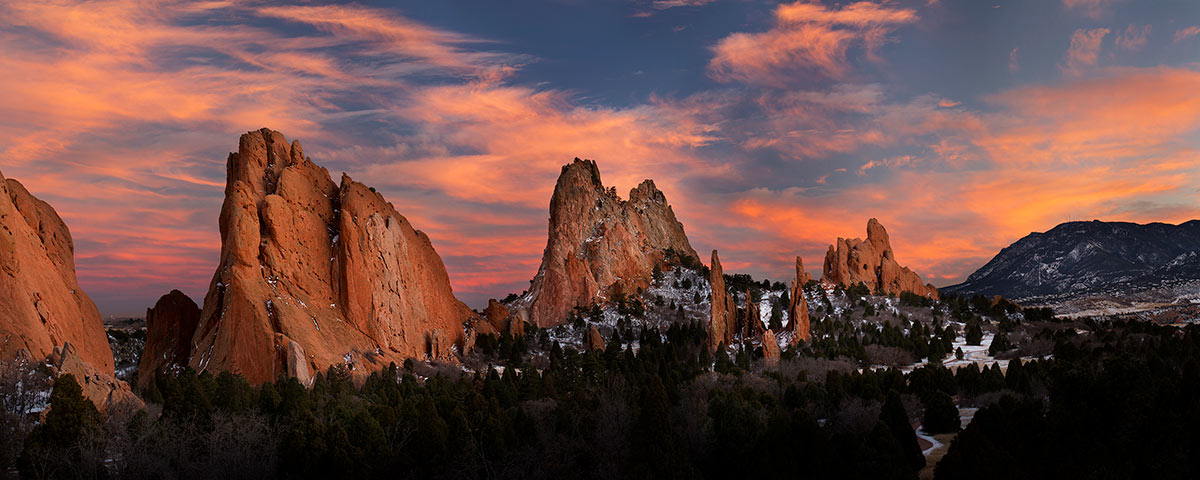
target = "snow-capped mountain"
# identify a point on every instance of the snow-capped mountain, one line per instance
(1078, 259)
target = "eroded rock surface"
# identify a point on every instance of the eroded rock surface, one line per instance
(42, 308)
(599, 245)
(873, 263)
(315, 273)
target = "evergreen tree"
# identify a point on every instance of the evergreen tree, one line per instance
(896, 419)
(52, 449)
(941, 416)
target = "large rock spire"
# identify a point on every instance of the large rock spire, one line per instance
(599, 245)
(315, 273)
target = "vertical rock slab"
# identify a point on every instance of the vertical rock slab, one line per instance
(798, 320)
(723, 312)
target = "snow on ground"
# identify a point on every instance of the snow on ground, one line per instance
(933, 443)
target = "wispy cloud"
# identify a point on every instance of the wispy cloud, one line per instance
(1186, 33)
(1134, 38)
(1094, 9)
(806, 38)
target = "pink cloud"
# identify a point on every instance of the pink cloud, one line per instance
(1186, 33)
(806, 37)
(1134, 38)
(1083, 51)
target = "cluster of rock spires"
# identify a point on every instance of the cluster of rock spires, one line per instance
(599, 245)
(45, 315)
(872, 263)
(723, 324)
(314, 273)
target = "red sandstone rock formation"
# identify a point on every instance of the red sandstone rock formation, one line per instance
(169, 328)
(595, 342)
(770, 349)
(500, 320)
(42, 308)
(873, 263)
(798, 320)
(599, 245)
(99, 386)
(723, 313)
(315, 273)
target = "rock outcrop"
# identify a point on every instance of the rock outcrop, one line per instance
(798, 321)
(42, 308)
(500, 320)
(873, 263)
(594, 342)
(599, 245)
(723, 313)
(770, 348)
(170, 325)
(315, 273)
(99, 386)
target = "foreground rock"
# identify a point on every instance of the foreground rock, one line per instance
(873, 263)
(723, 314)
(169, 329)
(102, 388)
(42, 308)
(599, 245)
(315, 273)
(798, 321)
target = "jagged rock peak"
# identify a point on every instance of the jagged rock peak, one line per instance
(873, 263)
(42, 307)
(598, 245)
(315, 273)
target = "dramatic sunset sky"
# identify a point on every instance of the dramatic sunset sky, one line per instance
(773, 128)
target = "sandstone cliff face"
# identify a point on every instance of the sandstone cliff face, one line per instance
(315, 273)
(798, 320)
(42, 307)
(599, 245)
(170, 325)
(41, 303)
(723, 314)
(873, 263)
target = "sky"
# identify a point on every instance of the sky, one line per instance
(773, 128)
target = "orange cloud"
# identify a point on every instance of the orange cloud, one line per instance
(806, 37)
(1084, 50)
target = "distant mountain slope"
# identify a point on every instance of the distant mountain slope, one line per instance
(1083, 258)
